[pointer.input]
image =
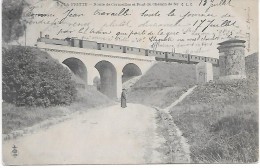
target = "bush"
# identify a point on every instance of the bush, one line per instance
(32, 78)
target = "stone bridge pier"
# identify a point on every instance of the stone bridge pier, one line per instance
(107, 68)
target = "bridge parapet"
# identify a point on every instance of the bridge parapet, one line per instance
(100, 53)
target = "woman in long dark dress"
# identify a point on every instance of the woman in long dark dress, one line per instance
(123, 99)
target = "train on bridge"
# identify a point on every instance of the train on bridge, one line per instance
(159, 55)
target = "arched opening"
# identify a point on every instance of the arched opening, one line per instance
(108, 78)
(130, 71)
(79, 71)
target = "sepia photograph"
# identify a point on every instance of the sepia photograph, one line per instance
(130, 82)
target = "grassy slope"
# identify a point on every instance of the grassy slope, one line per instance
(163, 84)
(17, 118)
(220, 120)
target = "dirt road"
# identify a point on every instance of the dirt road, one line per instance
(106, 136)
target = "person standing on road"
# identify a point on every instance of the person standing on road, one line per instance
(123, 99)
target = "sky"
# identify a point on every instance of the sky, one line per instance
(193, 27)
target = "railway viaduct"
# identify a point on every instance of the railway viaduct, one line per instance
(110, 67)
(114, 64)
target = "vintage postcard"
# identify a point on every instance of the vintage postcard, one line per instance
(129, 81)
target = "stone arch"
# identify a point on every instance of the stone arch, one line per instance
(79, 70)
(130, 70)
(108, 78)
